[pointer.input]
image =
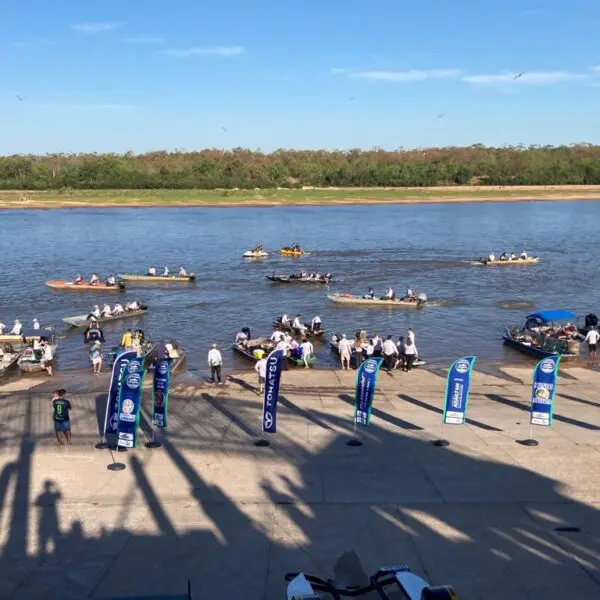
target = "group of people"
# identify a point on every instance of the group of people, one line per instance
(400, 354)
(111, 280)
(303, 350)
(313, 276)
(117, 310)
(506, 256)
(390, 294)
(180, 273)
(298, 325)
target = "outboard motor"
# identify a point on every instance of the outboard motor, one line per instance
(591, 320)
(422, 299)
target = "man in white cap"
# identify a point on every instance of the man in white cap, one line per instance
(36, 325)
(345, 348)
(17, 328)
(215, 362)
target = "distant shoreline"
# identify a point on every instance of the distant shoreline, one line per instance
(291, 197)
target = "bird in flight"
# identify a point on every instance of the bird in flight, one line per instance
(224, 129)
(519, 75)
(19, 98)
(441, 116)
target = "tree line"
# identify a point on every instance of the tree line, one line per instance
(246, 169)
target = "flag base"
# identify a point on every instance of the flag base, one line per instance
(441, 443)
(153, 444)
(102, 446)
(118, 448)
(261, 443)
(528, 442)
(354, 442)
(116, 467)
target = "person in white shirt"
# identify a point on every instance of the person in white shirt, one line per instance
(283, 345)
(409, 353)
(36, 325)
(369, 349)
(261, 368)
(390, 351)
(345, 348)
(215, 362)
(410, 334)
(316, 323)
(48, 358)
(111, 281)
(94, 279)
(166, 272)
(277, 336)
(152, 271)
(285, 320)
(524, 255)
(377, 345)
(96, 311)
(2, 327)
(513, 256)
(410, 294)
(17, 328)
(241, 338)
(491, 256)
(118, 309)
(297, 324)
(106, 312)
(182, 272)
(132, 306)
(592, 339)
(390, 294)
(307, 351)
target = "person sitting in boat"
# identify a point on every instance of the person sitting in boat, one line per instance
(277, 336)
(327, 277)
(513, 256)
(491, 257)
(297, 324)
(410, 295)
(111, 281)
(2, 327)
(132, 306)
(118, 310)
(504, 256)
(315, 324)
(94, 279)
(294, 347)
(524, 255)
(17, 328)
(96, 312)
(152, 271)
(166, 272)
(371, 294)
(182, 272)
(285, 320)
(79, 280)
(390, 295)
(296, 247)
(241, 338)
(303, 274)
(106, 312)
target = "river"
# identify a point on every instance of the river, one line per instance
(425, 246)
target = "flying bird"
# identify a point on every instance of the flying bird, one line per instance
(18, 98)
(519, 75)
(224, 129)
(441, 116)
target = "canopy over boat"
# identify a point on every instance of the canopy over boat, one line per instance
(549, 316)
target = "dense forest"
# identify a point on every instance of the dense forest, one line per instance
(246, 169)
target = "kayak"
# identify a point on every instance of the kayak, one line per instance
(290, 252)
(158, 278)
(532, 260)
(60, 284)
(360, 301)
(82, 320)
(259, 254)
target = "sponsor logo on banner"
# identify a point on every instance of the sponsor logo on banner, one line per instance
(366, 379)
(542, 391)
(130, 400)
(272, 382)
(111, 418)
(160, 392)
(457, 391)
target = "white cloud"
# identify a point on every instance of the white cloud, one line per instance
(533, 78)
(144, 39)
(410, 76)
(204, 51)
(596, 69)
(96, 27)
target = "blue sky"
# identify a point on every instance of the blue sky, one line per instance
(146, 75)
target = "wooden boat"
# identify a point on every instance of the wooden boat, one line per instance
(532, 260)
(255, 349)
(176, 354)
(298, 279)
(543, 335)
(29, 362)
(255, 254)
(60, 284)
(308, 332)
(334, 345)
(18, 339)
(83, 321)
(290, 252)
(157, 278)
(9, 357)
(348, 299)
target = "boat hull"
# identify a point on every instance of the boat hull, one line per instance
(28, 366)
(534, 351)
(288, 279)
(82, 320)
(298, 362)
(501, 263)
(359, 301)
(246, 351)
(8, 362)
(131, 277)
(59, 284)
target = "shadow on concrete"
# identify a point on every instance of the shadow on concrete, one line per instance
(486, 527)
(391, 419)
(580, 400)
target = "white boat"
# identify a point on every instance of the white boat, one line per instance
(83, 321)
(419, 302)
(255, 254)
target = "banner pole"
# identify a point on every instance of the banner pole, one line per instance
(530, 441)
(153, 443)
(354, 441)
(441, 442)
(114, 465)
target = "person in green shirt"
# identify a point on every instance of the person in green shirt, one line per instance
(62, 422)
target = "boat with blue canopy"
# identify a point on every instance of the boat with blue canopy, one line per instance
(546, 333)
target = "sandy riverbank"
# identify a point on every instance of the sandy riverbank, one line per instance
(284, 197)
